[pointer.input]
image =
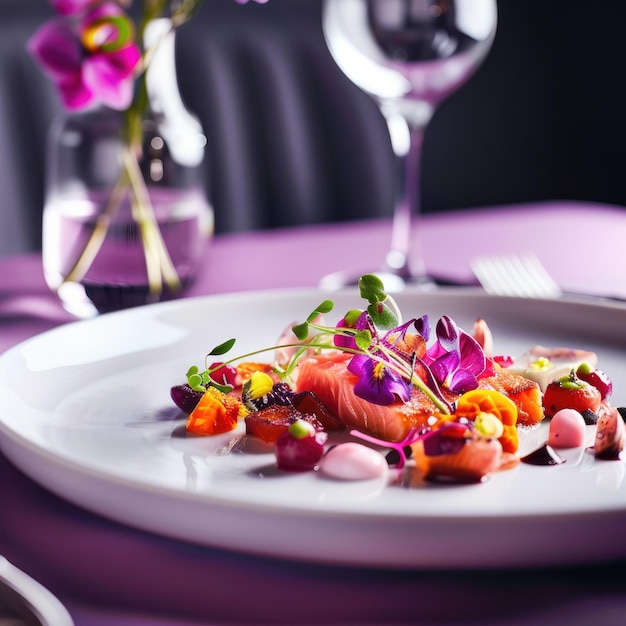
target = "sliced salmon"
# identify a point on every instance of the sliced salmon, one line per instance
(525, 393)
(327, 376)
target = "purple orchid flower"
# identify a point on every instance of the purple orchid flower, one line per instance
(70, 7)
(95, 65)
(422, 326)
(377, 382)
(456, 359)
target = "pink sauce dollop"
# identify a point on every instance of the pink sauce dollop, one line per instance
(567, 429)
(353, 461)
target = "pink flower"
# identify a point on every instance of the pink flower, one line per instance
(92, 66)
(70, 7)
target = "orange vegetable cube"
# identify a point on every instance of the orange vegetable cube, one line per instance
(216, 413)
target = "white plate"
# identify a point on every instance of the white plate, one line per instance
(85, 411)
(25, 601)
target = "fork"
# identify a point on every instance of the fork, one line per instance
(515, 275)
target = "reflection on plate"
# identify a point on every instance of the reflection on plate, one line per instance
(85, 411)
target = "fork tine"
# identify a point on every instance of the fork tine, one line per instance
(492, 275)
(544, 283)
(515, 275)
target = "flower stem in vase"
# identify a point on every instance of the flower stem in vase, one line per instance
(101, 226)
(159, 266)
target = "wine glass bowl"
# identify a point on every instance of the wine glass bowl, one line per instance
(408, 55)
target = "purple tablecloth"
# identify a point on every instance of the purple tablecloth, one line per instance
(106, 573)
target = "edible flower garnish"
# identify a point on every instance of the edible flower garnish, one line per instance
(389, 356)
(456, 359)
(378, 382)
(476, 404)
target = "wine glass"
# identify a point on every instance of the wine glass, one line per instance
(408, 55)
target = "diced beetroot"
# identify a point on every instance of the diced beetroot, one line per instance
(596, 378)
(308, 402)
(269, 423)
(185, 398)
(300, 447)
(224, 375)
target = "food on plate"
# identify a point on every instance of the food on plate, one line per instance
(523, 392)
(567, 429)
(595, 377)
(543, 364)
(570, 392)
(353, 461)
(269, 423)
(300, 447)
(328, 377)
(456, 451)
(215, 413)
(610, 435)
(481, 406)
(439, 402)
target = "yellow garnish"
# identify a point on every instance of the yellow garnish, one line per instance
(542, 364)
(473, 403)
(488, 425)
(258, 385)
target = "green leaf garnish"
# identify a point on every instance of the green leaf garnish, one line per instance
(223, 348)
(195, 380)
(372, 289)
(301, 331)
(325, 307)
(222, 388)
(363, 339)
(383, 316)
(352, 316)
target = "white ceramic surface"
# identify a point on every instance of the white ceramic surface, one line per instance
(85, 411)
(25, 601)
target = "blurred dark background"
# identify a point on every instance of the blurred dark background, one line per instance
(291, 141)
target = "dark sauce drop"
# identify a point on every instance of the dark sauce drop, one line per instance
(591, 418)
(546, 455)
(393, 456)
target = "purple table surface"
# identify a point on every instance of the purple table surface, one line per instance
(108, 574)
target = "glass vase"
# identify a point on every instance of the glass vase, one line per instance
(126, 224)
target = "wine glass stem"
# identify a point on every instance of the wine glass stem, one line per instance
(408, 154)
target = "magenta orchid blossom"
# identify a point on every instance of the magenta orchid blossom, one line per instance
(92, 63)
(456, 359)
(70, 7)
(90, 52)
